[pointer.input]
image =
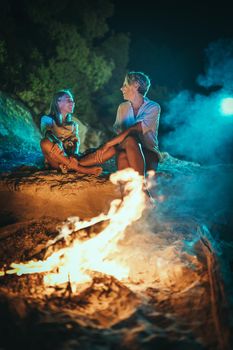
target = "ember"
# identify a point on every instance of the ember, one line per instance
(72, 263)
(132, 282)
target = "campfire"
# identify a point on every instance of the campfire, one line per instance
(73, 258)
(100, 271)
(76, 262)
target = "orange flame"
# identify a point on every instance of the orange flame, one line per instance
(74, 263)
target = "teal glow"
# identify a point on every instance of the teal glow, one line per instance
(227, 106)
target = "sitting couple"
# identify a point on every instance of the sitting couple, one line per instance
(136, 125)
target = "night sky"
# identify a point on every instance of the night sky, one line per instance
(168, 38)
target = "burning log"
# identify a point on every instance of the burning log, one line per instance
(73, 261)
(99, 275)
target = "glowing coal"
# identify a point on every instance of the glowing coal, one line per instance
(74, 263)
(133, 254)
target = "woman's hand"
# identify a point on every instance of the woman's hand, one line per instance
(52, 138)
(100, 152)
(105, 147)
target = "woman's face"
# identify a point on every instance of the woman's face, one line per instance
(129, 90)
(66, 104)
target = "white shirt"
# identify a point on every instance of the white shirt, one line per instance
(148, 114)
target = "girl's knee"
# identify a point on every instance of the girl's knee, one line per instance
(129, 141)
(46, 145)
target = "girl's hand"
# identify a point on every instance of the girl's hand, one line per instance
(100, 152)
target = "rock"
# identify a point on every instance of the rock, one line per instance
(169, 269)
(28, 195)
(20, 136)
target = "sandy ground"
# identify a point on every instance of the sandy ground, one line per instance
(173, 297)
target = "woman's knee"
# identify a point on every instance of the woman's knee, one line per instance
(46, 145)
(129, 141)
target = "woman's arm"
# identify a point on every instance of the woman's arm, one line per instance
(136, 128)
(46, 126)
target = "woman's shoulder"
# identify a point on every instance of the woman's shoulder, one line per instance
(46, 117)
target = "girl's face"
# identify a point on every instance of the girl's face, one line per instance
(129, 90)
(66, 104)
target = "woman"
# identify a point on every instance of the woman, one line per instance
(60, 144)
(137, 123)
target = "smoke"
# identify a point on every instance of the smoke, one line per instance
(219, 65)
(200, 193)
(199, 130)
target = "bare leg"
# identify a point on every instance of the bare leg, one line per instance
(122, 160)
(92, 159)
(132, 157)
(56, 158)
(134, 154)
(152, 159)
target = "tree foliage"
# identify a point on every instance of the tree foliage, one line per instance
(109, 96)
(50, 45)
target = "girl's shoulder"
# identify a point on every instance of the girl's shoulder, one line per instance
(45, 117)
(47, 120)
